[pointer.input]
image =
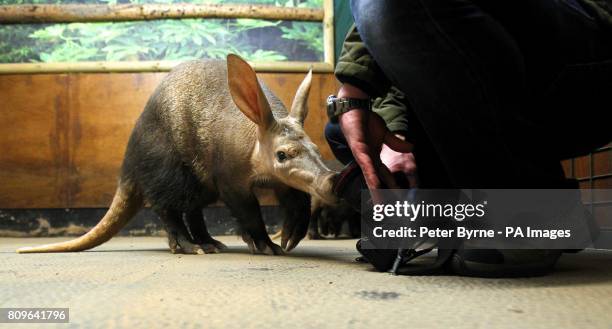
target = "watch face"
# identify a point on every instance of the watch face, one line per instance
(331, 108)
(330, 99)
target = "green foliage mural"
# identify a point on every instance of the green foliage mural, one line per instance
(185, 39)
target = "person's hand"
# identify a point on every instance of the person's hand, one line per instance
(401, 165)
(365, 133)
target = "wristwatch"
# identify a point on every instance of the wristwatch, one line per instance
(337, 106)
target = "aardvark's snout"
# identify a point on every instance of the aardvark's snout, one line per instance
(324, 185)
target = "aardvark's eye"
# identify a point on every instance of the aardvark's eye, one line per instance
(281, 156)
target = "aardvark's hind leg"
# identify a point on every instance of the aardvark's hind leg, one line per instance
(199, 232)
(179, 240)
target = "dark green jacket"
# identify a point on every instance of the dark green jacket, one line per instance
(357, 67)
(393, 108)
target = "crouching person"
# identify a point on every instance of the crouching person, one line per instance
(481, 101)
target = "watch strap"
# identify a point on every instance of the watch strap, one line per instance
(339, 106)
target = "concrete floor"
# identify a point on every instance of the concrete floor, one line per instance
(137, 283)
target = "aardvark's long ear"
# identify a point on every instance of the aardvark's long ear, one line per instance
(247, 93)
(299, 107)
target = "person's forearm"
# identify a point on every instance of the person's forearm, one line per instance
(350, 91)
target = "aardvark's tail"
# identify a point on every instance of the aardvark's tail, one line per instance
(126, 202)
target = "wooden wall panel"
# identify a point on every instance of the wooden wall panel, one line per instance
(592, 171)
(62, 137)
(105, 108)
(33, 142)
(602, 162)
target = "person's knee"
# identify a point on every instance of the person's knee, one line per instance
(337, 143)
(333, 134)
